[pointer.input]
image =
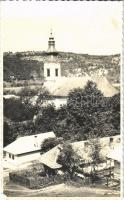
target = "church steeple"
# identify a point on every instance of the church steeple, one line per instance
(52, 68)
(51, 44)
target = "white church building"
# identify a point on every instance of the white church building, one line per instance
(52, 68)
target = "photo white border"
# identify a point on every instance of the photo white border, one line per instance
(2, 196)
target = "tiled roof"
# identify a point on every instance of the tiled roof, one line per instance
(50, 158)
(62, 86)
(115, 153)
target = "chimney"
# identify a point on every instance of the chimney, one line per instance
(35, 141)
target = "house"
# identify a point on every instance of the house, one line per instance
(25, 148)
(49, 160)
(115, 155)
(106, 143)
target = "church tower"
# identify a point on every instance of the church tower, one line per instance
(51, 44)
(52, 69)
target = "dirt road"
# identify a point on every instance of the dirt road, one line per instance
(61, 190)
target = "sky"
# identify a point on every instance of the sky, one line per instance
(80, 27)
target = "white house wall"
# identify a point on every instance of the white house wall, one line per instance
(57, 102)
(19, 159)
(28, 157)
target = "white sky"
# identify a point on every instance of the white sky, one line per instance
(85, 27)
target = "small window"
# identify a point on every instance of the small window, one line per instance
(13, 157)
(9, 155)
(111, 139)
(56, 72)
(48, 72)
(86, 144)
(118, 140)
(4, 154)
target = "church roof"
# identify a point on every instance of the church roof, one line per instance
(63, 85)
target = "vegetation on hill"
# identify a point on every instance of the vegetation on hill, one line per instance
(16, 68)
(29, 65)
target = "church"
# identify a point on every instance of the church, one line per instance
(60, 86)
(52, 68)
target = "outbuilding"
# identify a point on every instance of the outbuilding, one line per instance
(49, 160)
(115, 155)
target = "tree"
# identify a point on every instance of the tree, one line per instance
(43, 95)
(94, 154)
(28, 92)
(9, 132)
(49, 143)
(114, 104)
(16, 110)
(90, 112)
(69, 160)
(45, 120)
(34, 96)
(87, 100)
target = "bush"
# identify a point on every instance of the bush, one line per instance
(15, 110)
(48, 144)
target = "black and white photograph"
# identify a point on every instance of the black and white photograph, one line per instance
(61, 120)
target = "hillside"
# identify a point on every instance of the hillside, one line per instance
(29, 65)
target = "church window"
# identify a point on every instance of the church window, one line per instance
(56, 72)
(48, 72)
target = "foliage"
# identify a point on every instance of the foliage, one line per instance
(46, 119)
(60, 127)
(43, 95)
(69, 159)
(8, 135)
(21, 69)
(114, 104)
(94, 153)
(28, 92)
(49, 143)
(35, 96)
(87, 113)
(23, 66)
(15, 110)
